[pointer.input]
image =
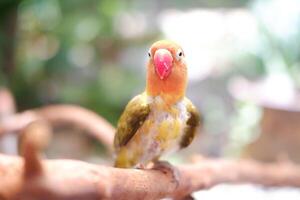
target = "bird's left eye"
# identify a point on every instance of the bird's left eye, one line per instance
(179, 54)
(149, 54)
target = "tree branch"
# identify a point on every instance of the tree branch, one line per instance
(66, 178)
(95, 125)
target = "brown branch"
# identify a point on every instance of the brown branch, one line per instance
(34, 139)
(67, 177)
(94, 124)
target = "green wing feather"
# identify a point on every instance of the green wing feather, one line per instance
(193, 123)
(134, 115)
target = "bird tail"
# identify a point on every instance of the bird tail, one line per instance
(122, 161)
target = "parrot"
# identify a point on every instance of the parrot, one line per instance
(162, 119)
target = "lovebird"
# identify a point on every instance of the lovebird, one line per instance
(161, 119)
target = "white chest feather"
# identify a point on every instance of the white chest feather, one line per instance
(163, 129)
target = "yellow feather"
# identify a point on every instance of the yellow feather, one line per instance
(159, 120)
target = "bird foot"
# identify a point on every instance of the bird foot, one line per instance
(168, 169)
(140, 166)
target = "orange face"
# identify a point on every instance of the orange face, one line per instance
(167, 71)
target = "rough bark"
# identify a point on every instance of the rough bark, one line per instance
(67, 179)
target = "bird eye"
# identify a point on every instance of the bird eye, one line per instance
(179, 54)
(149, 54)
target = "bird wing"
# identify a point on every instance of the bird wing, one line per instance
(134, 115)
(194, 121)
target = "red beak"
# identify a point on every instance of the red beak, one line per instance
(163, 62)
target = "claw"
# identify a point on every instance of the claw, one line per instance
(168, 169)
(140, 166)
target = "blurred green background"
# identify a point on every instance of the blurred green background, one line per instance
(93, 53)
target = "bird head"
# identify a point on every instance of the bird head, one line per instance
(167, 71)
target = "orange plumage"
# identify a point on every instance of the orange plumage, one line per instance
(173, 88)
